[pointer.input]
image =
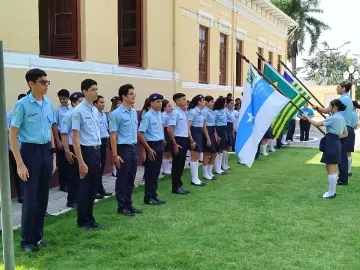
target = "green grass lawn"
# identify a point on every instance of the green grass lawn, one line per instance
(266, 217)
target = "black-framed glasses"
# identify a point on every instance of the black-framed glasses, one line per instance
(44, 82)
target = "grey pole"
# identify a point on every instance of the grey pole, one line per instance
(6, 220)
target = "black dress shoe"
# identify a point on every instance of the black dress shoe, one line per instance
(97, 225)
(340, 183)
(134, 210)
(349, 174)
(106, 194)
(329, 197)
(47, 214)
(71, 205)
(43, 243)
(125, 212)
(198, 185)
(99, 196)
(160, 201)
(29, 248)
(152, 202)
(20, 200)
(64, 189)
(114, 175)
(185, 190)
(180, 191)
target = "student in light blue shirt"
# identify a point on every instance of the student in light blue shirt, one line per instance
(165, 116)
(12, 161)
(60, 111)
(31, 124)
(355, 116)
(99, 103)
(197, 126)
(230, 132)
(86, 142)
(179, 136)
(343, 89)
(123, 138)
(210, 141)
(71, 162)
(304, 124)
(151, 135)
(330, 145)
(221, 125)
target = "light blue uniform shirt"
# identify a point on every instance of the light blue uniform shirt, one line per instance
(220, 118)
(335, 124)
(308, 111)
(196, 117)
(85, 119)
(125, 123)
(151, 126)
(66, 125)
(60, 111)
(165, 117)
(104, 127)
(346, 100)
(179, 122)
(230, 117)
(355, 119)
(209, 116)
(33, 120)
(9, 116)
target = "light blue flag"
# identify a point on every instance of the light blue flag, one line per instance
(261, 104)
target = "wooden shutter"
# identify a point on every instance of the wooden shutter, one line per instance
(239, 48)
(130, 32)
(203, 55)
(279, 64)
(260, 62)
(222, 62)
(63, 28)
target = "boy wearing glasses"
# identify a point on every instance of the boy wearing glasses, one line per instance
(31, 124)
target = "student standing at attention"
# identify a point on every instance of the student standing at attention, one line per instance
(151, 135)
(123, 138)
(86, 142)
(179, 136)
(67, 142)
(354, 124)
(115, 103)
(348, 142)
(331, 147)
(221, 126)
(36, 161)
(60, 111)
(99, 103)
(165, 116)
(304, 123)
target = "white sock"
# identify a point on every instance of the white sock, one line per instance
(271, 145)
(223, 160)
(193, 170)
(349, 164)
(206, 172)
(210, 167)
(332, 179)
(283, 140)
(218, 164)
(263, 149)
(227, 160)
(220, 161)
(201, 157)
(114, 170)
(164, 165)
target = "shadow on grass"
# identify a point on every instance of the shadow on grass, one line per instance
(266, 217)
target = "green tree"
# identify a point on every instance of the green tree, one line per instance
(327, 66)
(302, 11)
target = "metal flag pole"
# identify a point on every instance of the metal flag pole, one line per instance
(285, 66)
(262, 58)
(6, 220)
(275, 87)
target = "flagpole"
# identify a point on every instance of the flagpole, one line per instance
(276, 88)
(262, 58)
(285, 66)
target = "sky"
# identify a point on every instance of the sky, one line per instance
(343, 18)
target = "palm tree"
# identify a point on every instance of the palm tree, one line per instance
(302, 12)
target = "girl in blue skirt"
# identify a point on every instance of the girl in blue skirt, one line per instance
(196, 126)
(165, 117)
(330, 145)
(230, 132)
(209, 139)
(221, 125)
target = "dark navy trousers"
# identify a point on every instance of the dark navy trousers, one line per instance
(103, 152)
(178, 162)
(62, 166)
(126, 174)
(38, 159)
(73, 179)
(14, 174)
(152, 169)
(343, 166)
(87, 187)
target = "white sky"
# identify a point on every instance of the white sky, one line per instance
(343, 17)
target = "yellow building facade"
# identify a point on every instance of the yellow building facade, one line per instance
(164, 46)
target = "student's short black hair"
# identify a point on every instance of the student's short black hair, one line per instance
(33, 74)
(337, 103)
(219, 104)
(97, 100)
(356, 104)
(63, 93)
(229, 95)
(228, 100)
(237, 99)
(124, 90)
(209, 98)
(21, 96)
(178, 96)
(346, 84)
(87, 83)
(165, 102)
